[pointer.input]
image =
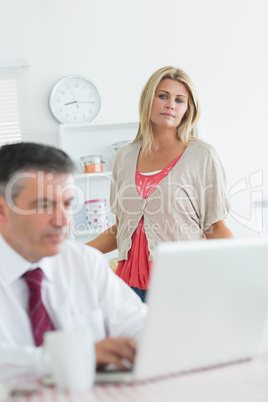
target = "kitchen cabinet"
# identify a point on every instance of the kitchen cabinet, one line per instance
(82, 140)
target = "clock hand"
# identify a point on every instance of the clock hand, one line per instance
(70, 103)
(84, 102)
(74, 98)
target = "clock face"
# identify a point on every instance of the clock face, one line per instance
(75, 100)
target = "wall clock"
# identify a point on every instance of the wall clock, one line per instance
(75, 100)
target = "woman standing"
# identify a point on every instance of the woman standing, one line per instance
(167, 185)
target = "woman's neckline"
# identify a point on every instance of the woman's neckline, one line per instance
(160, 170)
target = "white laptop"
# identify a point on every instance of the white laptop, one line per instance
(207, 307)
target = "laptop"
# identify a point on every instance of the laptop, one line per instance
(207, 307)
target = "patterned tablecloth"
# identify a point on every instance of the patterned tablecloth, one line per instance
(240, 382)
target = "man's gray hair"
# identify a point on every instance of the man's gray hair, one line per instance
(16, 159)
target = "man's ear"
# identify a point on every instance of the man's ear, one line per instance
(3, 210)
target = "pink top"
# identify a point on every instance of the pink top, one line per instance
(135, 271)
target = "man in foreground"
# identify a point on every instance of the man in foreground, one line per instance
(47, 282)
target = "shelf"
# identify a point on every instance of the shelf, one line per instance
(86, 233)
(82, 140)
(83, 176)
(100, 127)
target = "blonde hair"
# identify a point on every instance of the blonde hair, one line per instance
(186, 129)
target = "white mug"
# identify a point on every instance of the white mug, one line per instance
(72, 357)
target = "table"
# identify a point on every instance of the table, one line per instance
(240, 382)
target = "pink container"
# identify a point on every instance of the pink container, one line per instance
(96, 214)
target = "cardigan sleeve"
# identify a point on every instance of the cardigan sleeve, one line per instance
(214, 204)
(113, 188)
(124, 162)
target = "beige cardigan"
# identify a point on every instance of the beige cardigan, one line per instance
(184, 205)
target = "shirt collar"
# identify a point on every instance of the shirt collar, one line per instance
(13, 265)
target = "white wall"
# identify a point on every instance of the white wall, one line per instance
(119, 43)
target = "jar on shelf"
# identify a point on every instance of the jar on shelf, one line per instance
(92, 163)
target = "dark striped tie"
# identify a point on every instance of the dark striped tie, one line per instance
(39, 317)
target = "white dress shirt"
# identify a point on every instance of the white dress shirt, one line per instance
(79, 290)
